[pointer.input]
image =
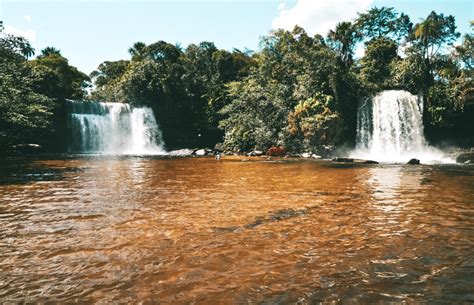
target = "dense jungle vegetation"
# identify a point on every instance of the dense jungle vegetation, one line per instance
(299, 91)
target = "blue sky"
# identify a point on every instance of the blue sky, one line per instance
(90, 32)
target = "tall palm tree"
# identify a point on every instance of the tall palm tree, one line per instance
(137, 50)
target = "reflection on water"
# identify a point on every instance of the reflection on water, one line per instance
(198, 231)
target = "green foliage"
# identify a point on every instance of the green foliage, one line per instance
(409, 73)
(106, 79)
(343, 40)
(291, 67)
(383, 22)
(314, 123)
(53, 76)
(376, 63)
(256, 116)
(24, 113)
(465, 52)
(434, 32)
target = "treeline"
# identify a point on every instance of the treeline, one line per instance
(32, 93)
(299, 91)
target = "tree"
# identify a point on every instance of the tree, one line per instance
(138, 50)
(465, 52)
(383, 22)
(315, 123)
(376, 64)
(256, 117)
(343, 40)
(433, 33)
(15, 47)
(106, 79)
(49, 51)
(430, 36)
(54, 77)
(24, 113)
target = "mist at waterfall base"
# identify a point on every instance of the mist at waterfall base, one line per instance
(112, 128)
(390, 129)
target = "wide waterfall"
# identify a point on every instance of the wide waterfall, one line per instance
(112, 128)
(390, 128)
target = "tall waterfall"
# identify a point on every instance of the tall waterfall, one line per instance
(112, 128)
(390, 128)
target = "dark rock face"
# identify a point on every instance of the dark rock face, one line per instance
(414, 161)
(465, 157)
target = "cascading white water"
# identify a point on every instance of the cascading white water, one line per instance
(112, 128)
(390, 128)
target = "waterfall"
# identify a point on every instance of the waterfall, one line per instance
(390, 128)
(112, 128)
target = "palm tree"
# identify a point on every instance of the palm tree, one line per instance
(48, 51)
(343, 39)
(137, 50)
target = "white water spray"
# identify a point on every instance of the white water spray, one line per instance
(390, 129)
(112, 128)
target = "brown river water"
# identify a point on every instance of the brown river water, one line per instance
(197, 230)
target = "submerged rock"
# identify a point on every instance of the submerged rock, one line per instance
(339, 159)
(464, 157)
(414, 161)
(351, 160)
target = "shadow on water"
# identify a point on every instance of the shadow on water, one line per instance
(26, 170)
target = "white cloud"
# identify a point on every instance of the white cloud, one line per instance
(318, 17)
(28, 34)
(27, 18)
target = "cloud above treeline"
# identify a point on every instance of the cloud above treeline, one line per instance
(28, 34)
(318, 16)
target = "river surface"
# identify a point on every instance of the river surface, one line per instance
(197, 230)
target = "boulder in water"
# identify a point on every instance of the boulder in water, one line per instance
(414, 161)
(200, 152)
(465, 157)
(370, 162)
(255, 153)
(276, 151)
(181, 152)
